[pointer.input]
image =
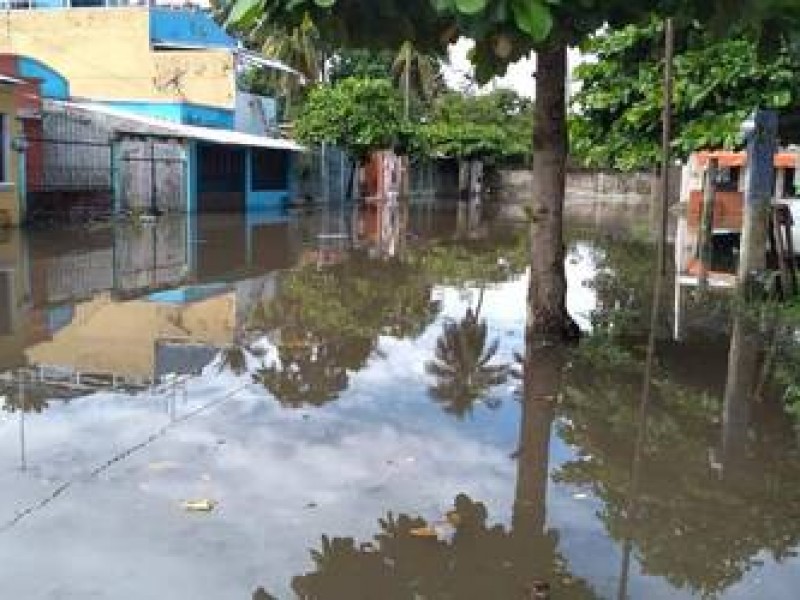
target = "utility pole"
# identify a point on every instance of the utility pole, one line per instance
(760, 131)
(666, 140)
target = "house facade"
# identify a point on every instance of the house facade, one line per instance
(158, 87)
(11, 208)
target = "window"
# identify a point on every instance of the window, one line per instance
(790, 187)
(728, 179)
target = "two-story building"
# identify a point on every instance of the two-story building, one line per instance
(160, 84)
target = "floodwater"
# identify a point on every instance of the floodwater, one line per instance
(342, 405)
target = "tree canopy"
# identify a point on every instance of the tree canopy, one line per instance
(497, 125)
(717, 84)
(357, 114)
(504, 30)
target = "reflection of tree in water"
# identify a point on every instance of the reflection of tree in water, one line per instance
(312, 372)
(479, 561)
(465, 557)
(462, 366)
(234, 357)
(622, 282)
(329, 320)
(35, 398)
(699, 528)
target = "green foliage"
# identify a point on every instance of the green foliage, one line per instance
(682, 518)
(358, 115)
(717, 84)
(359, 63)
(362, 115)
(473, 263)
(329, 322)
(495, 125)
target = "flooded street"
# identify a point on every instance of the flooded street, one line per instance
(342, 404)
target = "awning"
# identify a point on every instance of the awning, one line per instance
(253, 58)
(151, 127)
(725, 158)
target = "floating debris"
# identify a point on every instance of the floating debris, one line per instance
(424, 532)
(204, 505)
(164, 465)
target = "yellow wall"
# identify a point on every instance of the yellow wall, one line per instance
(9, 193)
(105, 54)
(13, 264)
(120, 338)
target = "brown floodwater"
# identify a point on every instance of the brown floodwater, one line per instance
(342, 404)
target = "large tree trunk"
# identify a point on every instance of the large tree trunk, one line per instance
(542, 373)
(548, 318)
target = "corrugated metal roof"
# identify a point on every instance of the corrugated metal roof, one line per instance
(726, 158)
(133, 123)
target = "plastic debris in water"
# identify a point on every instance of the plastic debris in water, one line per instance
(164, 465)
(423, 532)
(204, 505)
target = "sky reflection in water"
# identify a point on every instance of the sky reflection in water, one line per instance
(285, 474)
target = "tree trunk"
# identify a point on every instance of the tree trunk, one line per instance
(543, 368)
(744, 360)
(548, 318)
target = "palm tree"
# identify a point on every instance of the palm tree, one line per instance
(299, 48)
(417, 70)
(462, 366)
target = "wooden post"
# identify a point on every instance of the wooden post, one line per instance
(666, 141)
(761, 133)
(706, 232)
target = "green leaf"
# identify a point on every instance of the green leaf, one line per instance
(471, 7)
(533, 17)
(324, 3)
(244, 11)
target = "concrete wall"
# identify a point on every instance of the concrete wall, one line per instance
(255, 114)
(105, 53)
(513, 188)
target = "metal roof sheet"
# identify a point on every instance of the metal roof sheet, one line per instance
(132, 123)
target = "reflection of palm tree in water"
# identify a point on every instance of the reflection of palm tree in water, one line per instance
(462, 366)
(476, 560)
